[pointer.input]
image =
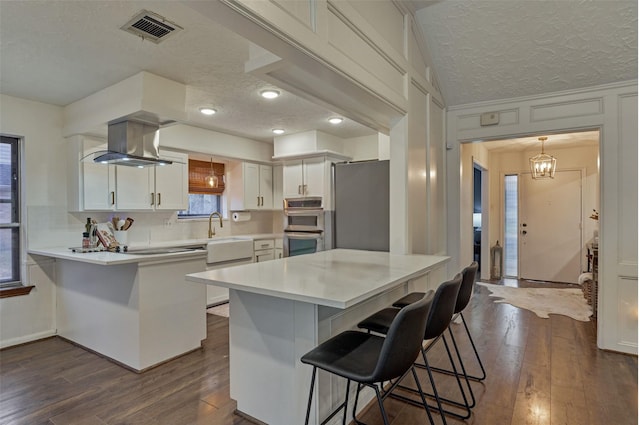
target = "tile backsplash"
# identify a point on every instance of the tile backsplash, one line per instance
(56, 227)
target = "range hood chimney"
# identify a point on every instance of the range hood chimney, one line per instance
(132, 143)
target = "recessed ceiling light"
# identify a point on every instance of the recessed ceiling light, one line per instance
(277, 131)
(269, 94)
(336, 120)
(207, 110)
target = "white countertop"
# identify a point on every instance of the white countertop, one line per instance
(337, 278)
(106, 258)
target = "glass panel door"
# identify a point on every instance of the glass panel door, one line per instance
(511, 226)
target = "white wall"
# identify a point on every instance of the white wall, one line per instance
(32, 316)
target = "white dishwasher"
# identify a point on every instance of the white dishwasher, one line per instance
(226, 253)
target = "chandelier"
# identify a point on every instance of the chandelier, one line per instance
(543, 166)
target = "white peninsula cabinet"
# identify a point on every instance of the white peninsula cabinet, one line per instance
(251, 187)
(106, 187)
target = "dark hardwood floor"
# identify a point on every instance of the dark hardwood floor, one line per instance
(540, 371)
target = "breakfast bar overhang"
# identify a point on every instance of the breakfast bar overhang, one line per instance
(281, 309)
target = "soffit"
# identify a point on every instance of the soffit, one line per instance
(554, 141)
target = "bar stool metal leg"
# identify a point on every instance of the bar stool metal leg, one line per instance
(313, 381)
(343, 405)
(475, 351)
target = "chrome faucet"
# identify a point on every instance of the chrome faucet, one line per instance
(212, 231)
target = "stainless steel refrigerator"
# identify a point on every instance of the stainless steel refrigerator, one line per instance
(361, 199)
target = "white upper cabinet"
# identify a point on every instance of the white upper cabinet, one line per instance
(105, 187)
(90, 186)
(277, 187)
(135, 188)
(172, 183)
(251, 187)
(304, 177)
(99, 186)
(163, 187)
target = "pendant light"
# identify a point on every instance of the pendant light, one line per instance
(212, 179)
(543, 166)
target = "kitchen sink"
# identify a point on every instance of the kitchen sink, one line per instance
(229, 249)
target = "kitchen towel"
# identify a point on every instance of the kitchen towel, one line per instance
(241, 216)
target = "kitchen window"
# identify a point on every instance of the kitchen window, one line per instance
(10, 219)
(201, 205)
(203, 198)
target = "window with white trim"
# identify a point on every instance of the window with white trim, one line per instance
(10, 224)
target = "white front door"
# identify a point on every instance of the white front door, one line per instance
(550, 227)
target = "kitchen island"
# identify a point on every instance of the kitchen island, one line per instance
(281, 309)
(135, 309)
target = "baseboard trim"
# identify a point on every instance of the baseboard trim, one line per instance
(27, 339)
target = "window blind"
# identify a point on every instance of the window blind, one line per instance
(198, 172)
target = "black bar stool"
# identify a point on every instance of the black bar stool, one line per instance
(440, 315)
(466, 290)
(370, 359)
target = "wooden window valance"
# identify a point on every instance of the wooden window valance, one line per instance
(198, 173)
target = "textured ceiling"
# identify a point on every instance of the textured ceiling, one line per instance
(488, 50)
(60, 51)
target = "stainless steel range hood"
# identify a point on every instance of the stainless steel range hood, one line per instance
(132, 143)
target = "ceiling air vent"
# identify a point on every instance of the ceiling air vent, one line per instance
(151, 26)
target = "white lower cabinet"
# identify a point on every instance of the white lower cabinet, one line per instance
(263, 250)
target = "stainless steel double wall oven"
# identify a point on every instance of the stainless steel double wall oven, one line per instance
(304, 226)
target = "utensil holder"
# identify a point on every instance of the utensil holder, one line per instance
(122, 236)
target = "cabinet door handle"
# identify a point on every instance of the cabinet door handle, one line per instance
(258, 200)
(113, 198)
(153, 198)
(159, 198)
(299, 189)
(262, 201)
(304, 189)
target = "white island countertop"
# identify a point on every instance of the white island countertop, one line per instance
(338, 278)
